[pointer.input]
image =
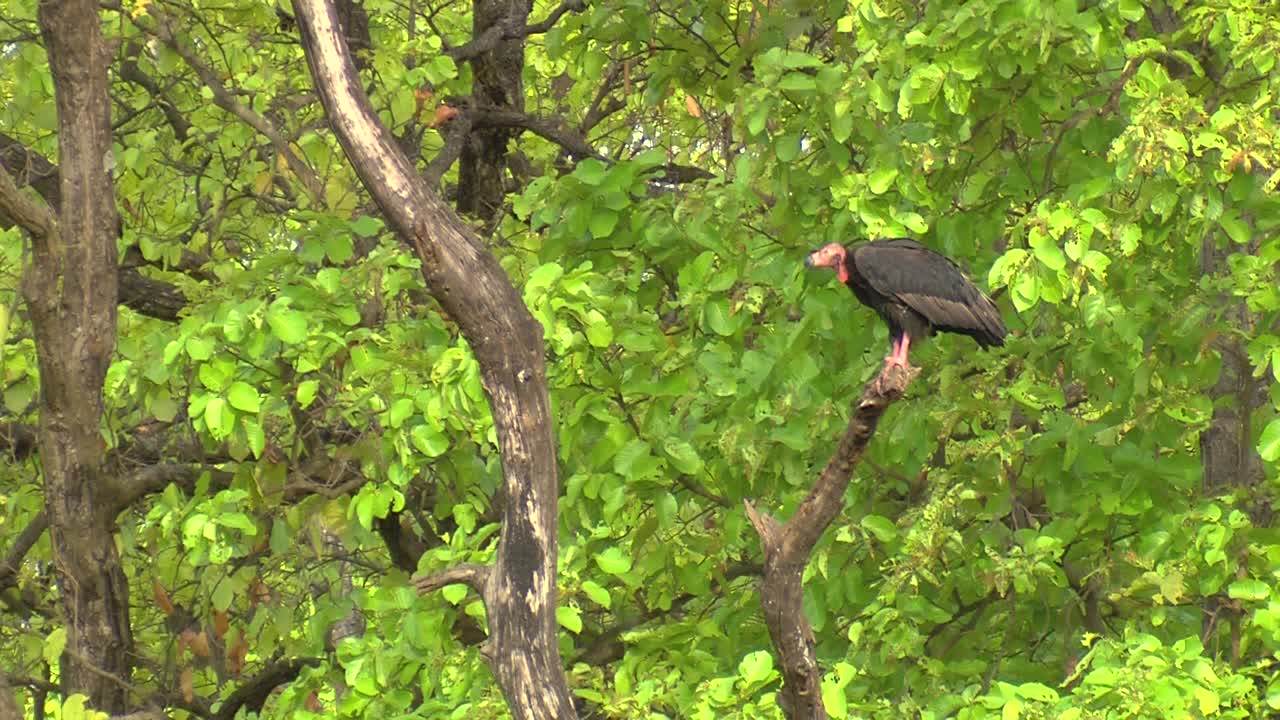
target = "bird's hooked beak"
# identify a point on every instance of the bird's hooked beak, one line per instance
(831, 255)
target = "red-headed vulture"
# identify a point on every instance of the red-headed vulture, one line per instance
(915, 290)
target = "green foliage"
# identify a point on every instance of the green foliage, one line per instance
(1033, 533)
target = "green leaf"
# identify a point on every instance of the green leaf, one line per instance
(223, 594)
(569, 618)
(199, 348)
(716, 317)
(1235, 228)
(597, 593)
(881, 179)
(834, 700)
(1248, 589)
(429, 441)
(244, 397)
(255, 436)
(603, 221)
(366, 226)
(400, 411)
(307, 392)
(599, 333)
(1175, 140)
(54, 643)
(591, 172)
(683, 456)
(1038, 692)
(797, 82)
(880, 526)
(215, 412)
(542, 277)
(756, 667)
(787, 147)
(1047, 251)
(289, 326)
(1131, 10)
(613, 561)
(1269, 444)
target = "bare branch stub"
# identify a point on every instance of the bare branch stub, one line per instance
(787, 547)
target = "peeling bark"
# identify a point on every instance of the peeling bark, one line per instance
(471, 287)
(787, 547)
(71, 291)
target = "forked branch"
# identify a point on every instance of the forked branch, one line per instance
(787, 547)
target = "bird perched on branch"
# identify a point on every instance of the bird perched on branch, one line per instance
(915, 290)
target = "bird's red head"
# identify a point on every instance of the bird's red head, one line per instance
(832, 256)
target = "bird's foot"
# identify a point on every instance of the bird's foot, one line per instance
(896, 374)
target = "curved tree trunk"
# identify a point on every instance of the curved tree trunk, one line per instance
(71, 290)
(466, 279)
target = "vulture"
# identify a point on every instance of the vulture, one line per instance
(916, 291)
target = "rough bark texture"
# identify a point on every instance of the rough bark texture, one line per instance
(787, 547)
(71, 290)
(467, 281)
(498, 83)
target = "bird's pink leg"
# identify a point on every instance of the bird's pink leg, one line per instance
(899, 355)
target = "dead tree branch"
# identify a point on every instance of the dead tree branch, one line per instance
(787, 547)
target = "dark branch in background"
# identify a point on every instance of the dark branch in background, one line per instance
(144, 295)
(130, 71)
(475, 577)
(225, 99)
(253, 693)
(32, 216)
(556, 131)
(787, 547)
(455, 136)
(510, 30)
(21, 546)
(1113, 100)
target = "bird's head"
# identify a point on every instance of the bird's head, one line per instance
(832, 256)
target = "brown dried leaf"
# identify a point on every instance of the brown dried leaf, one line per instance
(691, 105)
(187, 683)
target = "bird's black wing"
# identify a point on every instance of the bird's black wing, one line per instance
(932, 285)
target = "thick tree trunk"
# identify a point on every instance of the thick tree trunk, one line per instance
(466, 279)
(498, 84)
(71, 291)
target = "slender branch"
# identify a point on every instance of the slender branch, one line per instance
(223, 98)
(787, 547)
(21, 546)
(555, 130)
(455, 138)
(473, 576)
(36, 218)
(253, 693)
(1113, 99)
